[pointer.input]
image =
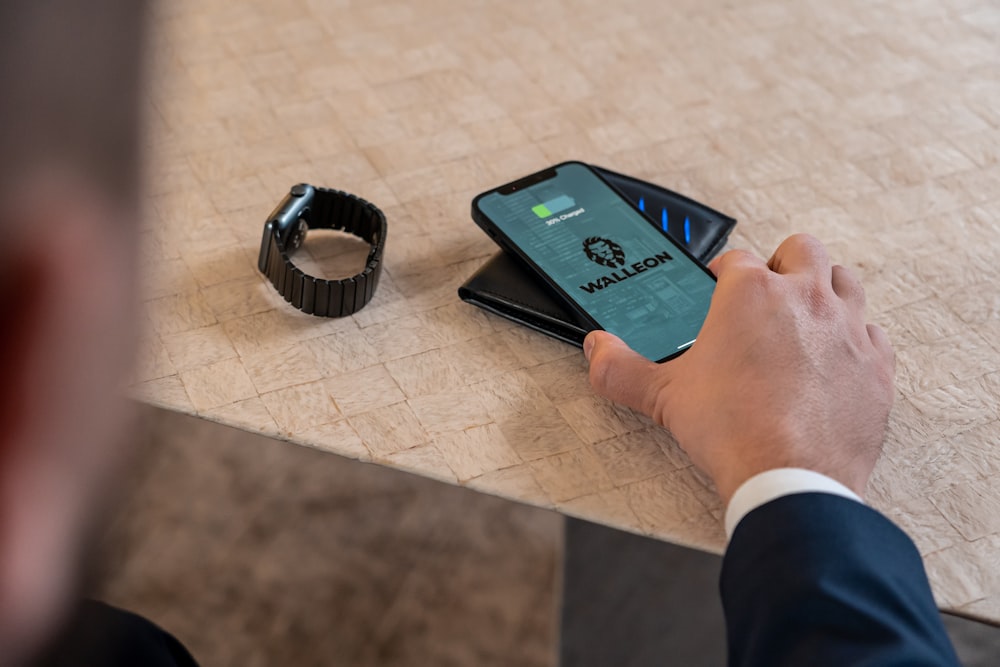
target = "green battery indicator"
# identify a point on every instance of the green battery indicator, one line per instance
(553, 206)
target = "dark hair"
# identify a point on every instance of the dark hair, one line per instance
(70, 76)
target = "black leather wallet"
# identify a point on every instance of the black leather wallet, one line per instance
(506, 287)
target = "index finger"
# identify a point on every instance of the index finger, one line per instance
(802, 254)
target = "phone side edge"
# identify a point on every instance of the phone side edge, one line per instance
(501, 239)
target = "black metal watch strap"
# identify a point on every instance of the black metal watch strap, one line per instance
(307, 207)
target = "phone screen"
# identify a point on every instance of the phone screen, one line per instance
(603, 254)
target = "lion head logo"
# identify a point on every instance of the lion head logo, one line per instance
(604, 252)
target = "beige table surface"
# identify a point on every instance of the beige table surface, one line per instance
(873, 125)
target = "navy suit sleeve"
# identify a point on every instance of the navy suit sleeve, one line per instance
(101, 635)
(816, 579)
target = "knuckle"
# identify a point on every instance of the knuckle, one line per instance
(804, 240)
(737, 254)
(803, 245)
(850, 283)
(735, 259)
(846, 272)
(858, 292)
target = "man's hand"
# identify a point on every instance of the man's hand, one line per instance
(785, 372)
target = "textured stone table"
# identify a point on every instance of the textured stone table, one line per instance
(873, 125)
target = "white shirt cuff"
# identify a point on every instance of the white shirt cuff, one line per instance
(770, 485)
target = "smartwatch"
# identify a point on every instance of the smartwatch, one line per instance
(306, 207)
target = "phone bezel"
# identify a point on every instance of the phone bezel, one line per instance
(498, 235)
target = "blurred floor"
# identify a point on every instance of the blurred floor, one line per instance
(256, 552)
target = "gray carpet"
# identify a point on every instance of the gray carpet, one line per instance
(255, 552)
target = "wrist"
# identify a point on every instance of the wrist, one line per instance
(730, 481)
(776, 483)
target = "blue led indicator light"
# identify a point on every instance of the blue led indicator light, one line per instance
(642, 204)
(687, 230)
(664, 222)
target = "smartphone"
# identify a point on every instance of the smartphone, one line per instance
(600, 253)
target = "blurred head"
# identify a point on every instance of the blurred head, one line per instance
(69, 174)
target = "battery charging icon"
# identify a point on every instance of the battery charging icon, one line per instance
(553, 206)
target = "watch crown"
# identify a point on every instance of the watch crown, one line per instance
(291, 216)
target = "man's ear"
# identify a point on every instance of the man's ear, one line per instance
(63, 350)
(24, 289)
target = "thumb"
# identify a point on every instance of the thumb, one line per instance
(621, 374)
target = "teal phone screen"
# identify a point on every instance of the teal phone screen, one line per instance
(631, 278)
